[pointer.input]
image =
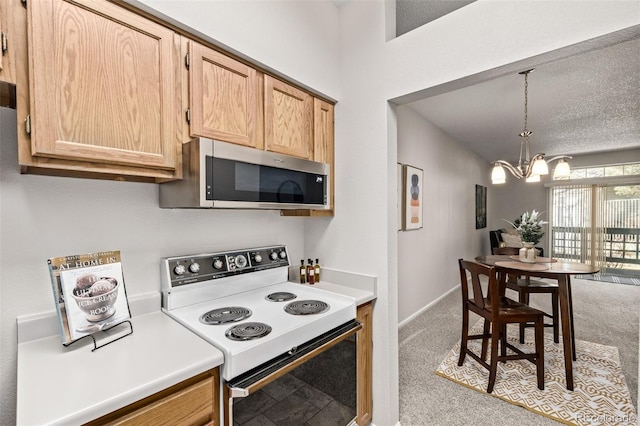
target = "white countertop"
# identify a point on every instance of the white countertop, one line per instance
(361, 296)
(361, 287)
(72, 385)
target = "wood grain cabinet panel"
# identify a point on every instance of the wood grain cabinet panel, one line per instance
(288, 115)
(102, 85)
(364, 364)
(192, 402)
(223, 97)
(11, 16)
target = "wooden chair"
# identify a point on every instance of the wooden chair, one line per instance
(497, 311)
(525, 287)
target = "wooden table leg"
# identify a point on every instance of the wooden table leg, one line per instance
(573, 330)
(567, 335)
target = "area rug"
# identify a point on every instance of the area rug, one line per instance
(610, 279)
(600, 396)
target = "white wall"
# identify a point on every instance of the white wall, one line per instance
(427, 256)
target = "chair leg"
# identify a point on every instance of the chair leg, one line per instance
(539, 328)
(556, 317)
(493, 366)
(465, 336)
(503, 341)
(523, 298)
(486, 332)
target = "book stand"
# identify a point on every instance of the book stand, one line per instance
(95, 345)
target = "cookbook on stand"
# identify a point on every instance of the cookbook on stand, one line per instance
(89, 293)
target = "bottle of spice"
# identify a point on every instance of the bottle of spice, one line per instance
(303, 272)
(317, 271)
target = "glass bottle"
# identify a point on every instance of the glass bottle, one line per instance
(303, 272)
(317, 271)
(311, 279)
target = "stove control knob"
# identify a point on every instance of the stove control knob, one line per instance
(217, 264)
(194, 267)
(241, 261)
(179, 269)
(273, 256)
(257, 258)
(283, 254)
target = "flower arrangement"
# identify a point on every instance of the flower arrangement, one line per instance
(529, 226)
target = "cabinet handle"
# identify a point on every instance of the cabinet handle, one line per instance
(27, 124)
(4, 43)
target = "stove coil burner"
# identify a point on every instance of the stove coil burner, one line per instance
(248, 331)
(306, 307)
(280, 296)
(225, 315)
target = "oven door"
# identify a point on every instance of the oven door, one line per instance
(318, 375)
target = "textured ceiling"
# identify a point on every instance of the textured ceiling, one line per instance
(582, 102)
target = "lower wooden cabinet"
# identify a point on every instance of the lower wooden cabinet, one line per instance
(194, 401)
(364, 364)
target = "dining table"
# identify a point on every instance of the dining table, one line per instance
(554, 269)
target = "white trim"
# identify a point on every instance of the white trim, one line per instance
(412, 317)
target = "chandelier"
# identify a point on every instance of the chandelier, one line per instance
(529, 168)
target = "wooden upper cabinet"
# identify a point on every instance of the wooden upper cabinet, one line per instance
(323, 139)
(10, 40)
(3, 36)
(287, 119)
(223, 97)
(102, 84)
(323, 131)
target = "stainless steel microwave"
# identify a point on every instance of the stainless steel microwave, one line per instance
(223, 175)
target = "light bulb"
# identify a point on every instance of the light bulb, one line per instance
(498, 175)
(562, 170)
(539, 167)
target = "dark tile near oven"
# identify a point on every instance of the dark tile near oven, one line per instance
(332, 415)
(245, 409)
(291, 411)
(260, 420)
(314, 396)
(283, 387)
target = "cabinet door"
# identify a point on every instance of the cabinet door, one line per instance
(365, 363)
(223, 98)
(102, 85)
(287, 119)
(323, 138)
(11, 17)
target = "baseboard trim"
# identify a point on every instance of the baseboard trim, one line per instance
(417, 313)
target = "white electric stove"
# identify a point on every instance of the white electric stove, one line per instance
(241, 302)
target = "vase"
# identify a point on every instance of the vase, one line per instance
(528, 253)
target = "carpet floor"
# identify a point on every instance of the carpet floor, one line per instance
(600, 394)
(604, 313)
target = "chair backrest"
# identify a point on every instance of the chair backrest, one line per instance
(477, 297)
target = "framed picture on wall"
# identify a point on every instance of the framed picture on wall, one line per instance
(412, 209)
(481, 206)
